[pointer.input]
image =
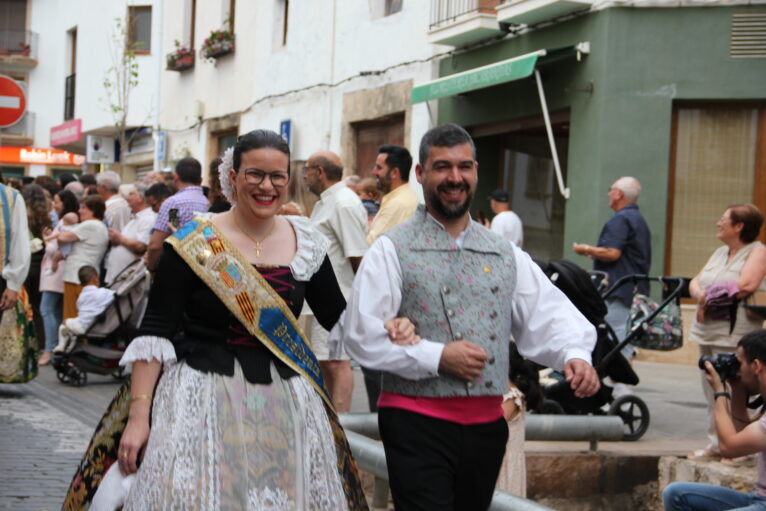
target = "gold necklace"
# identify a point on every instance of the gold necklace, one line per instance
(258, 247)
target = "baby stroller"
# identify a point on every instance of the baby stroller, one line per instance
(100, 348)
(587, 292)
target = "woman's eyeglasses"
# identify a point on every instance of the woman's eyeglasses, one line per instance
(256, 176)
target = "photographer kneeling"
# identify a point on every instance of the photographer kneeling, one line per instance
(737, 435)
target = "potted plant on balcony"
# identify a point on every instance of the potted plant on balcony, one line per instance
(180, 59)
(219, 43)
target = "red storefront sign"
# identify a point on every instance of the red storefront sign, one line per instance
(26, 155)
(70, 131)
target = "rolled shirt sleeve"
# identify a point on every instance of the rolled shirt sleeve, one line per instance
(16, 268)
(350, 226)
(546, 326)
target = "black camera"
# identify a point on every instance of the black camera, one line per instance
(725, 364)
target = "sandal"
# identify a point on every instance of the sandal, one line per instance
(706, 454)
(44, 359)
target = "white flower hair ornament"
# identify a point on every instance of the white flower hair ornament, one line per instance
(227, 187)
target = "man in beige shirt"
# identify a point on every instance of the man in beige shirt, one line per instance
(392, 169)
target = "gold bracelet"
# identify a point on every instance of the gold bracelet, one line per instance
(134, 397)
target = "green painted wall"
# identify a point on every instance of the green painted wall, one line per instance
(641, 61)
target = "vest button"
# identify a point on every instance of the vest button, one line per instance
(445, 290)
(495, 289)
(492, 337)
(493, 314)
(469, 384)
(450, 312)
(458, 335)
(491, 360)
(488, 384)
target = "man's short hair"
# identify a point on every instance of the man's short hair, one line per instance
(334, 172)
(397, 157)
(754, 345)
(140, 188)
(109, 180)
(77, 189)
(446, 135)
(85, 274)
(629, 186)
(189, 170)
(159, 191)
(87, 179)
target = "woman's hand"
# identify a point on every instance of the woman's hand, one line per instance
(401, 331)
(133, 443)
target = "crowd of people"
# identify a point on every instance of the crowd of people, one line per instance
(230, 404)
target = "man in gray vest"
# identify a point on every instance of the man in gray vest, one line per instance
(467, 290)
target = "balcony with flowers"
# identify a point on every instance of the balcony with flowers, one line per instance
(219, 43)
(181, 59)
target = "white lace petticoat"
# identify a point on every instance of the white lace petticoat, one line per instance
(222, 443)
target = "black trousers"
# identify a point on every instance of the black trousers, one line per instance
(437, 465)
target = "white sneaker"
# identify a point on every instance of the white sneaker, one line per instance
(620, 389)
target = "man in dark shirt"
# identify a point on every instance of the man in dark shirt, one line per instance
(624, 248)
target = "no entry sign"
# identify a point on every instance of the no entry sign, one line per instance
(13, 102)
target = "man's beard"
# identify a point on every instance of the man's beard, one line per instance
(384, 184)
(446, 211)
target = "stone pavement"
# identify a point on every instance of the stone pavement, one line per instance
(44, 429)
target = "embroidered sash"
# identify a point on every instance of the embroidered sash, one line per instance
(248, 296)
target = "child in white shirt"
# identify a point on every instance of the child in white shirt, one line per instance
(93, 300)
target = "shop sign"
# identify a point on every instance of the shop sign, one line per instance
(34, 155)
(70, 131)
(100, 149)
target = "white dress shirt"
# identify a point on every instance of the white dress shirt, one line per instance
(508, 225)
(139, 228)
(340, 216)
(547, 328)
(117, 213)
(16, 269)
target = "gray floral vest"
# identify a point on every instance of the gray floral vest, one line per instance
(451, 293)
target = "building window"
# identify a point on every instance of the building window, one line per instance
(140, 29)
(393, 6)
(226, 140)
(714, 163)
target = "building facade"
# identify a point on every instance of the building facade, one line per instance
(334, 75)
(69, 50)
(673, 94)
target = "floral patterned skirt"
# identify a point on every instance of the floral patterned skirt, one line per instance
(222, 443)
(18, 342)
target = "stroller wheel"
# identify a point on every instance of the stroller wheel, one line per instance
(119, 374)
(551, 407)
(634, 414)
(78, 378)
(62, 376)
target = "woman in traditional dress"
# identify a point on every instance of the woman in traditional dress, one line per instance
(240, 418)
(741, 263)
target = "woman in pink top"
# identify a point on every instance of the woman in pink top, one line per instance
(52, 283)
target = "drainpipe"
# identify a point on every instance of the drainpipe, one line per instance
(157, 98)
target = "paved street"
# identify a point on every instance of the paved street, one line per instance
(45, 427)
